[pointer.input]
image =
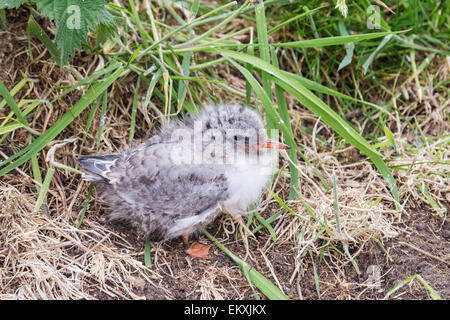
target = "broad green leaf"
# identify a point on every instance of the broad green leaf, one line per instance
(104, 31)
(74, 19)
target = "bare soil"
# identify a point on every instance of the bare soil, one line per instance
(423, 249)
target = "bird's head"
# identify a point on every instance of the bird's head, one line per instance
(240, 128)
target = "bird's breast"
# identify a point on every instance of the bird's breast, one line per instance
(246, 183)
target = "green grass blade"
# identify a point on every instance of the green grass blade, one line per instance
(44, 38)
(372, 56)
(102, 120)
(316, 274)
(275, 117)
(314, 86)
(334, 41)
(2, 19)
(267, 226)
(65, 120)
(36, 171)
(349, 47)
(191, 24)
(220, 25)
(182, 88)
(264, 52)
(89, 124)
(311, 213)
(316, 105)
(263, 284)
(86, 81)
(133, 110)
(282, 204)
(12, 103)
(134, 55)
(248, 87)
(147, 256)
(271, 219)
(4, 129)
(86, 204)
(389, 136)
(284, 114)
(294, 18)
(431, 201)
(14, 90)
(135, 17)
(434, 295)
(44, 189)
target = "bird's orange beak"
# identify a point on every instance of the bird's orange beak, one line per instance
(272, 144)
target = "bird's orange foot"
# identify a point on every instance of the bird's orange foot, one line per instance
(198, 250)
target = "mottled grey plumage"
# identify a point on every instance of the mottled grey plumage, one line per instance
(148, 187)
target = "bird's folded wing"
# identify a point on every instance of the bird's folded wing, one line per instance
(148, 180)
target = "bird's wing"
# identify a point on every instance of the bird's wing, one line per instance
(97, 167)
(160, 192)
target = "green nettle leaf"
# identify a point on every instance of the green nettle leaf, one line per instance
(104, 32)
(10, 3)
(53, 9)
(74, 19)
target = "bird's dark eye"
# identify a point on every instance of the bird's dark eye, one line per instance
(241, 138)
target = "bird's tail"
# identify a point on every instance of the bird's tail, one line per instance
(97, 166)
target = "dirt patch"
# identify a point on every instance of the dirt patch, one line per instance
(422, 248)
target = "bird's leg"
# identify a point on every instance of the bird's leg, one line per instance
(185, 238)
(196, 249)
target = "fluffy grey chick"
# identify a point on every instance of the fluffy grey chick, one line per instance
(179, 181)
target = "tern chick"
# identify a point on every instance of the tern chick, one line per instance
(178, 181)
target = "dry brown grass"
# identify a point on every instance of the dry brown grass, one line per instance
(48, 258)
